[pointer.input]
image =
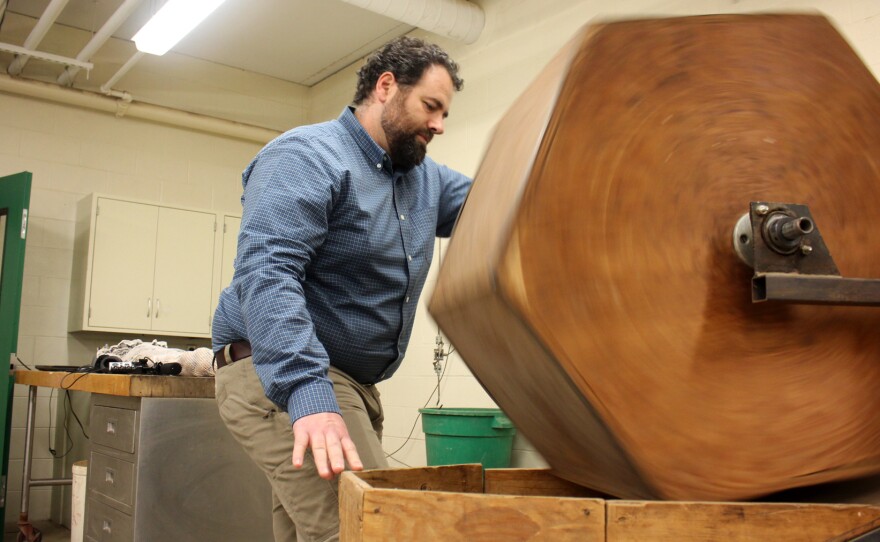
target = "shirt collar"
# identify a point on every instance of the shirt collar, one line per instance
(375, 154)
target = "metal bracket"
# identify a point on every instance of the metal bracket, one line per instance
(781, 242)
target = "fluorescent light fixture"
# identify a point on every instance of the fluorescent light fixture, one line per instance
(171, 23)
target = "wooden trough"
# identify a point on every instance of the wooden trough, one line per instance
(466, 502)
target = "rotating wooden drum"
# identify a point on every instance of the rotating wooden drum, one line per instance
(591, 284)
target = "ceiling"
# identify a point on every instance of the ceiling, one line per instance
(269, 42)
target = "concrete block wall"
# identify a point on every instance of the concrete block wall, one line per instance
(72, 153)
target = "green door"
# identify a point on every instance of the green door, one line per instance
(15, 195)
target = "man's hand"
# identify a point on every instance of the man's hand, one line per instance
(327, 435)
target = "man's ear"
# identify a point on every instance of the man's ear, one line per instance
(386, 86)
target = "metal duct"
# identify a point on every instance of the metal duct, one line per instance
(457, 19)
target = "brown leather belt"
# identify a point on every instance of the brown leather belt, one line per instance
(237, 351)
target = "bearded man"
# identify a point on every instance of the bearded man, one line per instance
(336, 239)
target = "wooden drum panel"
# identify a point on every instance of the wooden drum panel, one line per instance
(591, 284)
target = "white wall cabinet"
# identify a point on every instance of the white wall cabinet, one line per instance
(141, 268)
(228, 249)
(231, 225)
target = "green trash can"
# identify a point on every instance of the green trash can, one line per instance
(467, 435)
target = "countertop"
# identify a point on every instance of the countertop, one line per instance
(120, 384)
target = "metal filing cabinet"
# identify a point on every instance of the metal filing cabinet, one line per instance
(165, 469)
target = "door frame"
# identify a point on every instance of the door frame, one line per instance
(15, 195)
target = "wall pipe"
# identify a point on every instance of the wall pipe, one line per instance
(119, 107)
(457, 19)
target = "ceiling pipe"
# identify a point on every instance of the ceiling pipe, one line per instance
(47, 19)
(120, 107)
(457, 19)
(100, 38)
(107, 87)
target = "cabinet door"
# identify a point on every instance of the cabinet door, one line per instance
(231, 225)
(184, 265)
(123, 264)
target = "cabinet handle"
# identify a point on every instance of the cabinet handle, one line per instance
(158, 306)
(107, 526)
(149, 306)
(109, 474)
(111, 427)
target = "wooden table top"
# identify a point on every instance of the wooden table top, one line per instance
(119, 384)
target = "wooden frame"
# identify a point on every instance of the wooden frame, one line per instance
(465, 502)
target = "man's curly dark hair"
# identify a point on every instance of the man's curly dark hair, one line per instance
(407, 58)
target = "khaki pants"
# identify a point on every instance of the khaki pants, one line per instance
(305, 506)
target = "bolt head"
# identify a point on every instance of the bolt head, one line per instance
(806, 249)
(762, 209)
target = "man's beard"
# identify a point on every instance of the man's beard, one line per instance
(404, 149)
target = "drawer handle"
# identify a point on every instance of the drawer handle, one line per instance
(111, 427)
(108, 476)
(107, 526)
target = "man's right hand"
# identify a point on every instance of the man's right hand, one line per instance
(326, 434)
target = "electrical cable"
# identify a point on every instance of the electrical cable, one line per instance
(413, 428)
(439, 354)
(66, 423)
(23, 363)
(75, 417)
(69, 439)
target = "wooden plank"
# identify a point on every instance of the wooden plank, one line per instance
(418, 515)
(351, 507)
(124, 385)
(171, 386)
(539, 482)
(106, 384)
(458, 478)
(637, 521)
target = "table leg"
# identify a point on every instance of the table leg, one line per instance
(26, 530)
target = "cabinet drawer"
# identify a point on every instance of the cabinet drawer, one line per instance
(113, 427)
(106, 524)
(112, 478)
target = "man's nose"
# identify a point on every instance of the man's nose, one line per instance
(435, 124)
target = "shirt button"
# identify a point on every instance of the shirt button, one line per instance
(406, 300)
(409, 257)
(379, 166)
(402, 217)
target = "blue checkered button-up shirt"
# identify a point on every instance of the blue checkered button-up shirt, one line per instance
(333, 252)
